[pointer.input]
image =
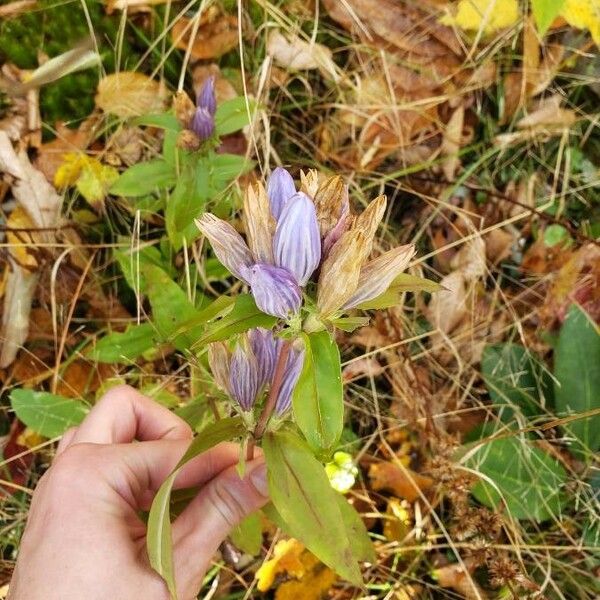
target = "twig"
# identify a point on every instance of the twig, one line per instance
(267, 411)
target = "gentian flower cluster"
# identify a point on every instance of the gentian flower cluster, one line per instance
(298, 238)
(247, 373)
(198, 121)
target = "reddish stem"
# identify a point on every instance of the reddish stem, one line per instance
(269, 407)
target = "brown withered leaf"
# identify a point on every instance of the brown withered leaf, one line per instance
(81, 378)
(402, 482)
(363, 367)
(460, 579)
(130, 94)
(51, 154)
(402, 26)
(217, 34)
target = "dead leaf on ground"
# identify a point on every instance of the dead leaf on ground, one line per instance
(51, 154)
(14, 9)
(292, 52)
(217, 34)
(363, 367)
(459, 579)
(130, 94)
(224, 89)
(402, 482)
(452, 142)
(313, 585)
(132, 5)
(285, 561)
(81, 378)
(41, 203)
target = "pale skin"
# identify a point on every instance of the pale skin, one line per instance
(84, 538)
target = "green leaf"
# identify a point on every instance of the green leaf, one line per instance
(307, 504)
(47, 414)
(243, 315)
(402, 283)
(171, 308)
(247, 536)
(145, 178)
(232, 115)
(186, 203)
(556, 234)
(544, 13)
(350, 323)
(515, 377)
(158, 538)
(359, 539)
(161, 121)
(528, 480)
(577, 371)
(123, 347)
(318, 397)
(228, 167)
(133, 263)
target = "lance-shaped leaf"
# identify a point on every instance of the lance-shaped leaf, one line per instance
(307, 504)
(280, 188)
(402, 283)
(377, 275)
(227, 243)
(275, 289)
(158, 539)
(318, 396)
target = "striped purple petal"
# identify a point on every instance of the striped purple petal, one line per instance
(266, 349)
(291, 374)
(280, 188)
(206, 96)
(243, 377)
(274, 289)
(203, 123)
(227, 243)
(297, 241)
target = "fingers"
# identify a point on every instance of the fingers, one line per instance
(221, 505)
(65, 440)
(123, 415)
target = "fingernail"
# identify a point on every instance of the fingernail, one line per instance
(258, 478)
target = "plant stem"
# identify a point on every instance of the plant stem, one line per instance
(267, 411)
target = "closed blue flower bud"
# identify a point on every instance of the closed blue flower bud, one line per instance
(274, 289)
(203, 123)
(243, 377)
(206, 96)
(280, 188)
(291, 374)
(297, 241)
(266, 348)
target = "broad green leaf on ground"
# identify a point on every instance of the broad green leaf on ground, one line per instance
(247, 536)
(243, 315)
(318, 397)
(515, 377)
(47, 414)
(577, 372)
(159, 120)
(402, 283)
(544, 13)
(307, 504)
(232, 115)
(186, 203)
(227, 168)
(158, 538)
(145, 178)
(518, 474)
(123, 347)
(171, 308)
(133, 262)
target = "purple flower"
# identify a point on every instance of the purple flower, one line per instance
(297, 241)
(291, 374)
(266, 350)
(203, 122)
(280, 188)
(206, 96)
(243, 377)
(274, 289)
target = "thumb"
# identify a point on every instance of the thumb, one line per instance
(221, 505)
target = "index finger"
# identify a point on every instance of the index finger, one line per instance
(123, 415)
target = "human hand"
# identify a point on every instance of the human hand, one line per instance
(84, 538)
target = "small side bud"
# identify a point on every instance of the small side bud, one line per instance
(188, 140)
(184, 109)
